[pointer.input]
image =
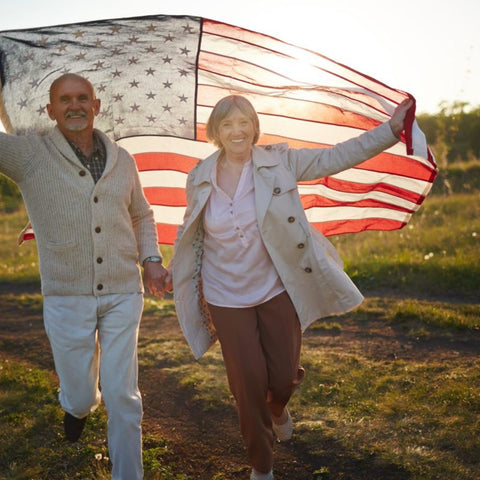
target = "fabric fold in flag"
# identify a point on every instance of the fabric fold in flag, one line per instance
(159, 77)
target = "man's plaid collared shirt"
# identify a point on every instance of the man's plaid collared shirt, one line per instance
(95, 164)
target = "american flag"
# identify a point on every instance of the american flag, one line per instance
(158, 78)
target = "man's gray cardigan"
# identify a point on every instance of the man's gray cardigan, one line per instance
(90, 237)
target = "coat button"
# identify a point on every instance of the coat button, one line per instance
(98, 229)
(308, 270)
(276, 190)
(301, 245)
(82, 173)
(291, 219)
(99, 260)
(99, 286)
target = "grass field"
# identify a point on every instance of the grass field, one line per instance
(392, 390)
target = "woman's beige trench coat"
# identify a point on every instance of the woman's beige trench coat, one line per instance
(307, 263)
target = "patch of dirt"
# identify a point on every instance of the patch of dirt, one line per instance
(203, 442)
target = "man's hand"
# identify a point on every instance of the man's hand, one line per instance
(397, 121)
(154, 277)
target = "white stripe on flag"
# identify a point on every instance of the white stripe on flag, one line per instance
(368, 177)
(168, 215)
(163, 178)
(329, 214)
(347, 197)
(160, 144)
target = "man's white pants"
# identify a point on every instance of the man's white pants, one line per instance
(92, 339)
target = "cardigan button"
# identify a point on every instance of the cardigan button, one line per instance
(98, 229)
(99, 286)
(301, 245)
(82, 173)
(95, 199)
(291, 219)
(276, 190)
(99, 260)
(268, 147)
(308, 270)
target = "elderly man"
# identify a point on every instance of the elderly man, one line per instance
(94, 228)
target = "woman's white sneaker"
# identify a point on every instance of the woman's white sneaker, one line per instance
(283, 431)
(261, 476)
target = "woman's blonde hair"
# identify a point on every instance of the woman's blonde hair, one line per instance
(223, 108)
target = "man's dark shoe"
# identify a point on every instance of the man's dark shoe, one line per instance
(73, 426)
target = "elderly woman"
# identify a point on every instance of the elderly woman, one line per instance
(250, 271)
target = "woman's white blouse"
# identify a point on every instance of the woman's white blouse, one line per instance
(236, 268)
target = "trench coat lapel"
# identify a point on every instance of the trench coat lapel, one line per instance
(203, 186)
(263, 179)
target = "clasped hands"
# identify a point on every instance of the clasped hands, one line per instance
(157, 278)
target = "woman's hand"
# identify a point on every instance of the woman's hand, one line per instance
(169, 280)
(397, 121)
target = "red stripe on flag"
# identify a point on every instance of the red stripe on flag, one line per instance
(309, 201)
(339, 227)
(362, 188)
(166, 233)
(401, 166)
(172, 197)
(164, 161)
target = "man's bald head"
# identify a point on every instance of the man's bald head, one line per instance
(70, 76)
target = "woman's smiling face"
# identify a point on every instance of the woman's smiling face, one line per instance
(236, 133)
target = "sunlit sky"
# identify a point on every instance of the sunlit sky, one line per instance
(429, 48)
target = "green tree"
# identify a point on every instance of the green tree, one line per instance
(453, 132)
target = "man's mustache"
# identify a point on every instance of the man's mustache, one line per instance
(75, 114)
